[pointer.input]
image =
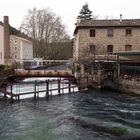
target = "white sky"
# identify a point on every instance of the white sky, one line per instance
(68, 10)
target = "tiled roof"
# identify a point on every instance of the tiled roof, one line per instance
(18, 33)
(14, 31)
(107, 23)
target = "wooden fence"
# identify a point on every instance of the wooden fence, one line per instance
(14, 90)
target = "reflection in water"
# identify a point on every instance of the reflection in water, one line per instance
(79, 116)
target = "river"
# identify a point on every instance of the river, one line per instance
(86, 115)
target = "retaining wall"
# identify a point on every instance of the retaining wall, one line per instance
(124, 86)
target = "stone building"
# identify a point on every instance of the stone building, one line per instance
(1, 43)
(20, 48)
(15, 47)
(4, 41)
(106, 36)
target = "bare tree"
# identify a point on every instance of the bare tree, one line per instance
(46, 30)
(90, 57)
(89, 53)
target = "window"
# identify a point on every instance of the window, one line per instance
(39, 63)
(109, 32)
(92, 32)
(15, 48)
(128, 31)
(15, 41)
(92, 48)
(110, 48)
(128, 47)
(0, 55)
(15, 56)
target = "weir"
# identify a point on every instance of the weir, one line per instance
(15, 91)
(45, 88)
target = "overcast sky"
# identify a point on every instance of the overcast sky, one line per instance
(68, 10)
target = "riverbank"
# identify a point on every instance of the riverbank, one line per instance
(123, 86)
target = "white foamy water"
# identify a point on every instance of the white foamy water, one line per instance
(29, 87)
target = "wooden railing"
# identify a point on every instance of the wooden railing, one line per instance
(61, 85)
(39, 73)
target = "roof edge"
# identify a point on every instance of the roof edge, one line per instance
(107, 26)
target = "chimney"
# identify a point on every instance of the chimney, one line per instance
(6, 40)
(78, 20)
(120, 17)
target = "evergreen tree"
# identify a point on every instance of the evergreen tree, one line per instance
(85, 13)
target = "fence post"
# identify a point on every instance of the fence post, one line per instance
(18, 98)
(69, 86)
(79, 83)
(59, 86)
(47, 89)
(11, 86)
(4, 92)
(35, 90)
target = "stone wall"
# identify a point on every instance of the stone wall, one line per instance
(118, 40)
(124, 86)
